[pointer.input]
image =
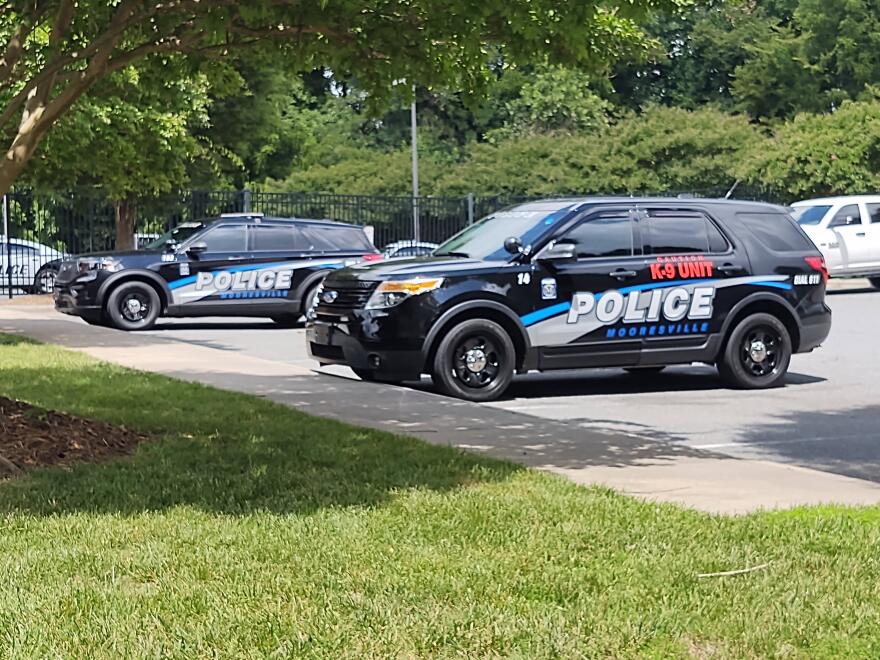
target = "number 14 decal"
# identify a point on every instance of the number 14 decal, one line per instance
(523, 278)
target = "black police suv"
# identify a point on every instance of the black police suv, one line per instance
(575, 283)
(235, 265)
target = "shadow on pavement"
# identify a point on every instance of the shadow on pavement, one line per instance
(814, 439)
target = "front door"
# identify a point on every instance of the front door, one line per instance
(208, 279)
(847, 234)
(585, 326)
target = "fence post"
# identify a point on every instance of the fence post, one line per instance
(246, 201)
(8, 245)
(470, 208)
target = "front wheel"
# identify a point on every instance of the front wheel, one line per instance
(875, 282)
(474, 361)
(133, 306)
(44, 282)
(757, 353)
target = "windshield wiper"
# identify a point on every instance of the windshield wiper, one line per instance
(463, 255)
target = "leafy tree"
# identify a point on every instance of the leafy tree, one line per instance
(821, 154)
(661, 149)
(54, 51)
(132, 137)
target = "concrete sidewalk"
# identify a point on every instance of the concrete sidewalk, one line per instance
(653, 469)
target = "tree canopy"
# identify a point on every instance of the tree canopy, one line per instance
(52, 52)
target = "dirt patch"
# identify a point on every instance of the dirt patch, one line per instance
(33, 437)
(44, 300)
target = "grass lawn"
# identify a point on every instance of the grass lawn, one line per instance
(251, 530)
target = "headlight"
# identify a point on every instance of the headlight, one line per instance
(390, 294)
(88, 267)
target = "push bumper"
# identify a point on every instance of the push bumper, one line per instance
(332, 343)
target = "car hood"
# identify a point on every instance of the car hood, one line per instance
(395, 269)
(112, 254)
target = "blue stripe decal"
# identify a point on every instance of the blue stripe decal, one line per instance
(555, 310)
(543, 314)
(776, 285)
(176, 284)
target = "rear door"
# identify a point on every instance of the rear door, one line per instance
(586, 328)
(872, 231)
(694, 275)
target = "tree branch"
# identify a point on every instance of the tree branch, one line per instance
(13, 51)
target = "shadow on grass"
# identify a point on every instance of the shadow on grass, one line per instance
(218, 451)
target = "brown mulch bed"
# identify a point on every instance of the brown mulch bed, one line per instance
(33, 437)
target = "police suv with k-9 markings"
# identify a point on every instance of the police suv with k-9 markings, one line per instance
(235, 265)
(580, 283)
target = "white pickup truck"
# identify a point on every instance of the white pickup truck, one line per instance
(847, 232)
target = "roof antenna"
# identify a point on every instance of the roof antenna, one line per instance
(732, 188)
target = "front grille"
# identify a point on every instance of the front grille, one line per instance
(349, 295)
(67, 271)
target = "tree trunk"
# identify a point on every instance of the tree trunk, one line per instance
(124, 211)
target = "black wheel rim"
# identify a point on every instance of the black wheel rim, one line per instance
(134, 307)
(477, 361)
(761, 351)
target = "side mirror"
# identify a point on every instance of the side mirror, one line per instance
(196, 249)
(559, 253)
(513, 245)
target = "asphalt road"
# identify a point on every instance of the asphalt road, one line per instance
(827, 416)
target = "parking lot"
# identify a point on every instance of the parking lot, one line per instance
(825, 418)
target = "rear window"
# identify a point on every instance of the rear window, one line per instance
(277, 238)
(777, 231)
(330, 239)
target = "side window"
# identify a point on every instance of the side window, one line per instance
(848, 215)
(610, 236)
(874, 212)
(277, 238)
(336, 238)
(226, 238)
(681, 232)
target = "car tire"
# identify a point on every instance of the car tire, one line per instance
(875, 282)
(309, 299)
(643, 371)
(133, 306)
(475, 361)
(757, 353)
(44, 281)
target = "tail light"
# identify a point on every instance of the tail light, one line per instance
(818, 264)
(371, 257)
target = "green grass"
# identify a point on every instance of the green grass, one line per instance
(251, 530)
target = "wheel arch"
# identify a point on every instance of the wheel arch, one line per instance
(309, 282)
(763, 303)
(145, 276)
(479, 309)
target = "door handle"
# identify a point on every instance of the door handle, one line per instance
(860, 233)
(234, 258)
(622, 274)
(729, 269)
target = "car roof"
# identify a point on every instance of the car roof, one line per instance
(852, 199)
(259, 218)
(584, 202)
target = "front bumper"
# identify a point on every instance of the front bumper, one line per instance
(334, 343)
(76, 300)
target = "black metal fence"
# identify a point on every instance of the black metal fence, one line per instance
(43, 228)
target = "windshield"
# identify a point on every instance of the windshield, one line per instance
(179, 234)
(485, 239)
(809, 215)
